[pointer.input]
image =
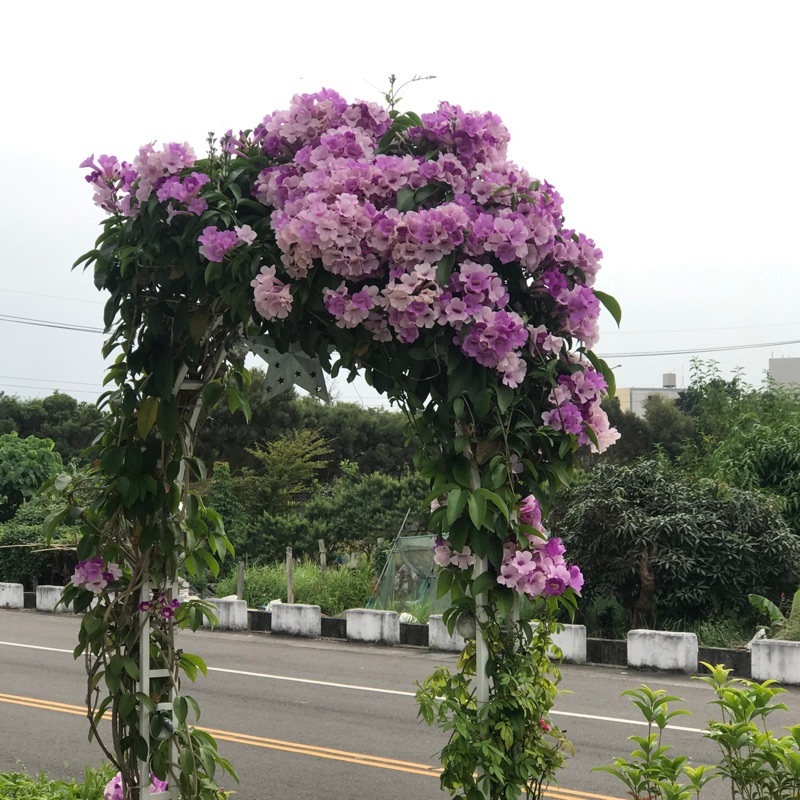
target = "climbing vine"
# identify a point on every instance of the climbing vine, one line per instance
(404, 248)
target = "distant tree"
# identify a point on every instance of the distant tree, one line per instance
(670, 429)
(372, 438)
(25, 464)
(667, 544)
(72, 425)
(285, 467)
(227, 437)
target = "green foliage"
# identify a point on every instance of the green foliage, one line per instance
(334, 589)
(510, 744)
(604, 616)
(25, 555)
(352, 514)
(72, 425)
(707, 545)
(758, 764)
(25, 464)
(19, 786)
(781, 627)
(286, 467)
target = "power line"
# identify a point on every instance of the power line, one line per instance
(48, 388)
(46, 380)
(54, 296)
(86, 329)
(700, 350)
(46, 323)
(706, 330)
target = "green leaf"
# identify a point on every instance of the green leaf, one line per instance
(140, 748)
(212, 393)
(456, 500)
(181, 709)
(462, 472)
(443, 583)
(495, 498)
(483, 583)
(405, 200)
(146, 416)
(477, 509)
(146, 701)
(611, 304)
(167, 418)
(164, 374)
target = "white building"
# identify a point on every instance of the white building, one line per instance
(785, 371)
(633, 399)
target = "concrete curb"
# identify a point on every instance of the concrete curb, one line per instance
(12, 595)
(664, 650)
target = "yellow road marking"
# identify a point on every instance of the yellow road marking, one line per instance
(345, 756)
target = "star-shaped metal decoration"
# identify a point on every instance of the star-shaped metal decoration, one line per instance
(293, 368)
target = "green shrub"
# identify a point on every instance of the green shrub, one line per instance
(22, 559)
(334, 590)
(758, 764)
(706, 545)
(19, 786)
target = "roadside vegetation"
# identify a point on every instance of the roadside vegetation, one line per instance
(21, 786)
(693, 510)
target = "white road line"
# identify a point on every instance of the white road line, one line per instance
(397, 692)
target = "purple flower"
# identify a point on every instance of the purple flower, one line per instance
(216, 243)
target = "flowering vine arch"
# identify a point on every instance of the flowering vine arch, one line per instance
(411, 250)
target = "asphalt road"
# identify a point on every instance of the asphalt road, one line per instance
(320, 719)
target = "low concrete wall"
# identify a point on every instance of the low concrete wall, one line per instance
(47, 598)
(662, 650)
(12, 595)
(776, 659)
(369, 625)
(572, 643)
(297, 619)
(231, 614)
(440, 639)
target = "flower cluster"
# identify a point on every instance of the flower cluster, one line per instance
(160, 606)
(576, 408)
(215, 244)
(122, 188)
(386, 222)
(94, 574)
(114, 790)
(429, 235)
(539, 569)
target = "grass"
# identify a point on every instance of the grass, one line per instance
(419, 609)
(334, 589)
(21, 786)
(725, 631)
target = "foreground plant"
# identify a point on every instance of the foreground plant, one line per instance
(413, 249)
(757, 764)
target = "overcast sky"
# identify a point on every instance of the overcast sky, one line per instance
(670, 129)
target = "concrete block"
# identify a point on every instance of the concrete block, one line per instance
(572, 643)
(662, 650)
(369, 625)
(775, 659)
(440, 639)
(231, 614)
(12, 595)
(297, 619)
(47, 597)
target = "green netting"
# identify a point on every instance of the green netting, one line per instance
(408, 580)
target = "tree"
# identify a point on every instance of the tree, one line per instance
(670, 428)
(227, 436)
(25, 464)
(670, 545)
(72, 425)
(286, 467)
